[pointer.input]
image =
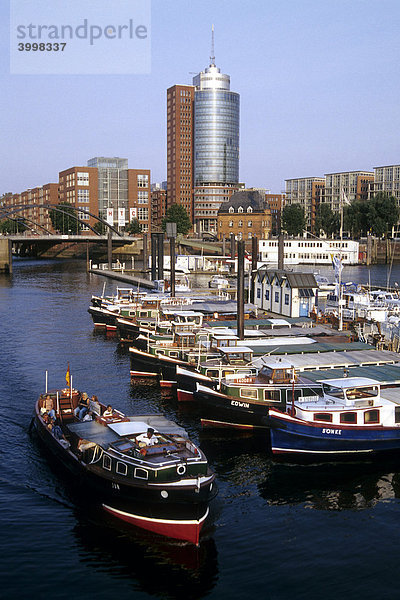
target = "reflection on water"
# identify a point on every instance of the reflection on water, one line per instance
(269, 516)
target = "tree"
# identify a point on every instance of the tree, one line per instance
(133, 227)
(355, 218)
(326, 220)
(177, 214)
(65, 221)
(12, 226)
(99, 227)
(383, 213)
(293, 219)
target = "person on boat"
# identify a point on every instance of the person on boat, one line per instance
(48, 406)
(147, 438)
(109, 411)
(83, 407)
(57, 431)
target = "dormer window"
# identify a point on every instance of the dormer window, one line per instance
(249, 209)
(231, 209)
(240, 209)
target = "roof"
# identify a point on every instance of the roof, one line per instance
(350, 382)
(295, 280)
(244, 199)
(235, 349)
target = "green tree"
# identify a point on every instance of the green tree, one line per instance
(12, 226)
(65, 221)
(326, 220)
(133, 227)
(293, 219)
(177, 214)
(382, 213)
(355, 218)
(99, 227)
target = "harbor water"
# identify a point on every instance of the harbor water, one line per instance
(280, 531)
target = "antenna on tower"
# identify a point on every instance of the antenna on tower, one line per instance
(212, 57)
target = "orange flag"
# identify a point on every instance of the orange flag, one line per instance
(68, 377)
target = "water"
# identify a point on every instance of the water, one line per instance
(281, 531)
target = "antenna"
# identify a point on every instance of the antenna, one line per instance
(212, 57)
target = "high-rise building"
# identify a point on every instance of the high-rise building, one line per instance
(353, 183)
(123, 194)
(180, 100)
(203, 144)
(307, 192)
(387, 179)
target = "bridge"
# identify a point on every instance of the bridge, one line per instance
(8, 241)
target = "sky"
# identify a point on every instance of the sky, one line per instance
(318, 80)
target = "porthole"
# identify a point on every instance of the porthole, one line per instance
(164, 494)
(181, 469)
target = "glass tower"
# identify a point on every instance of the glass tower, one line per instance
(113, 184)
(216, 128)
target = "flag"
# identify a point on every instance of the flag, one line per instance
(68, 376)
(345, 199)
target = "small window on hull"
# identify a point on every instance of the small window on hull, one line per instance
(327, 417)
(371, 416)
(348, 417)
(141, 473)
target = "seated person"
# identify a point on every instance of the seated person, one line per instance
(94, 406)
(83, 407)
(147, 438)
(57, 432)
(48, 406)
(108, 412)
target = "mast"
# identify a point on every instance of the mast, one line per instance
(212, 55)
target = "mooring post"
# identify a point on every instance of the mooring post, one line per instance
(154, 241)
(281, 248)
(145, 258)
(109, 249)
(233, 252)
(172, 264)
(254, 259)
(160, 261)
(240, 290)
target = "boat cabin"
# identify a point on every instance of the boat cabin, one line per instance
(278, 371)
(351, 401)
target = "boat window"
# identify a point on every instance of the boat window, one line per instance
(160, 351)
(249, 393)
(333, 391)
(371, 416)
(296, 393)
(212, 373)
(365, 392)
(397, 414)
(323, 417)
(272, 395)
(122, 468)
(141, 473)
(107, 462)
(173, 354)
(348, 417)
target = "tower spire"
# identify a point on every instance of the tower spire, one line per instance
(212, 56)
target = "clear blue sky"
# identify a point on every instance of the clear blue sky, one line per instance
(318, 79)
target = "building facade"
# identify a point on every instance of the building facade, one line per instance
(203, 145)
(387, 179)
(283, 293)
(78, 186)
(307, 192)
(355, 184)
(123, 194)
(180, 108)
(158, 206)
(244, 215)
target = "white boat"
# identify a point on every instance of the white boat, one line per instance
(217, 282)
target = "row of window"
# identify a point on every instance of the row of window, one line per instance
(370, 416)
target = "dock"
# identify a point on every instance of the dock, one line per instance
(133, 280)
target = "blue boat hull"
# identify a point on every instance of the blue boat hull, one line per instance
(297, 438)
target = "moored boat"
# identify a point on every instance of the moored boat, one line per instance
(164, 486)
(350, 418)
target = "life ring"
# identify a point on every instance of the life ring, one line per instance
(181, 469)
(143, 451)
